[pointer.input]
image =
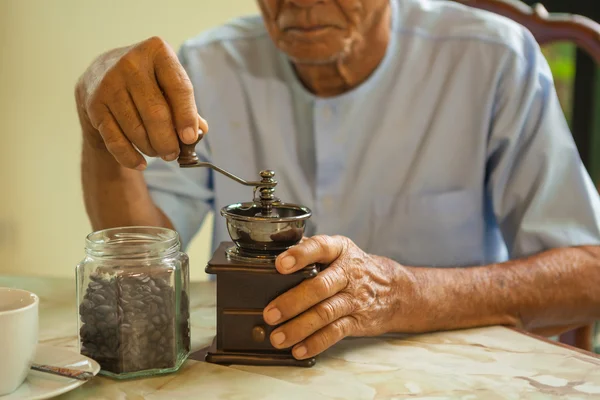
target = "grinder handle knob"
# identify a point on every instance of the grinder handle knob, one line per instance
(187, 152)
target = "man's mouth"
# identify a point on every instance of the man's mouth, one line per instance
(313, 28)
(309, 32)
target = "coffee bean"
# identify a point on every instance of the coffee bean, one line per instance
(155, 336)
(126, 329)
(111, 318)
(156, 320)
(88, 330)
(103, 309)
(137, 304)
(139, 324)
(141, 315)
(90, 347)
(162, 283)
(88, 319)
(155, 290)
(159, 300)
(102, 326)
(98, 298)
(144, 341)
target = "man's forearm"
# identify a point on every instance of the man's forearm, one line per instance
(545, 293)
(114, 195)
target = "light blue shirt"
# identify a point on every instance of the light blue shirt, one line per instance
(454, 152)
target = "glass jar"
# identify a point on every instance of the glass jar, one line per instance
(133, 303)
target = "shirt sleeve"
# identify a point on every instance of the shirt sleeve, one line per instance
(185, 195)
(541, 194)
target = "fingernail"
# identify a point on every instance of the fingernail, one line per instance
(278, 338)
(300, 351)
(288, 262)
(171, 157)
(273, 315)
(189, 135)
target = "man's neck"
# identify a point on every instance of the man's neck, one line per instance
(344, 74)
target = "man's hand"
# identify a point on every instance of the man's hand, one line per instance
(138, 98)
(355, 295)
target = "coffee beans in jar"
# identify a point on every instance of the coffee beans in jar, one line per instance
(134, 311)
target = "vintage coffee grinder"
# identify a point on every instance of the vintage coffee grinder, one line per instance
(247, 279)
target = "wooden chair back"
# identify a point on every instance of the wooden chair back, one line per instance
(545, 27)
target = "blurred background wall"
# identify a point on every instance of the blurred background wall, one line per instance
(44, 47)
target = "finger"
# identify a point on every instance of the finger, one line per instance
(203, 125)
(155, 113)
(117, 144)
(179, 92)
(317, 249)
(325, 338)
(318, 317)
(125, 112)
(305, 295)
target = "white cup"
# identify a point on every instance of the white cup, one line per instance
(18, 336)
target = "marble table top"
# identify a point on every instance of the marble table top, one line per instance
(489, 363)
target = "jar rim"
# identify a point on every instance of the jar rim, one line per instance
(132, 241)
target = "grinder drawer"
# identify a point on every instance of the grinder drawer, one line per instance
(244, 330)
(253, 290)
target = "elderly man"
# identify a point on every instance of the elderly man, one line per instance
(426, 136)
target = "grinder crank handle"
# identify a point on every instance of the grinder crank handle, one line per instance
(189, 159)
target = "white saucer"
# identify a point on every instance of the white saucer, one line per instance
(42, 385)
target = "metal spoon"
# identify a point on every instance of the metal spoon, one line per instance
(62, 371)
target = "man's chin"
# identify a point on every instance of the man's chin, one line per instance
(314, 60)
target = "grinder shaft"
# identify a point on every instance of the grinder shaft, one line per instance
(266, 186)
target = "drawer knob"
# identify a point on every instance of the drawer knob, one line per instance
(259, 334)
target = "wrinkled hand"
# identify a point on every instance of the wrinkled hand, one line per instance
(139, 99)
(355, 295)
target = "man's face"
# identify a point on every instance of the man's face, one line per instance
(319, 31)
